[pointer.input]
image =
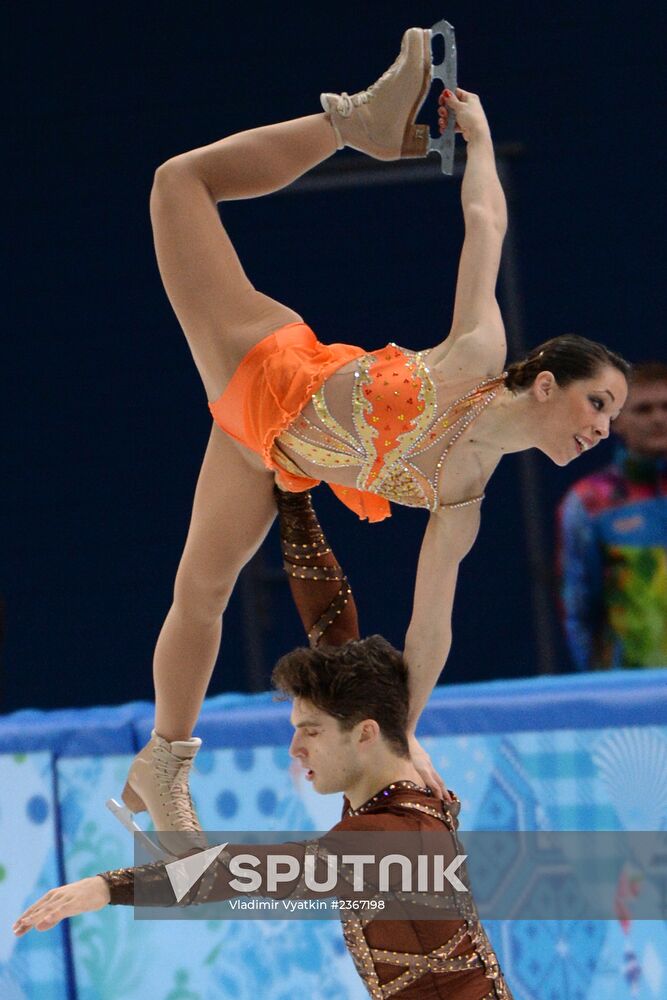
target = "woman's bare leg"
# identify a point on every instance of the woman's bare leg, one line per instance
(221, 313)
(222, 316)
(232, 512)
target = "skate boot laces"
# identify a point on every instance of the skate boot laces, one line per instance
(172, 774)
(348, 102)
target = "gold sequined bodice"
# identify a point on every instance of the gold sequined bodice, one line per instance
(398, 430)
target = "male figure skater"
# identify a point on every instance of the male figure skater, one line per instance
(350, 715)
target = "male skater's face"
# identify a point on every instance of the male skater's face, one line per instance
(327, 753)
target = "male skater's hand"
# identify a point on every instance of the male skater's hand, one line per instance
(427, 772)
(67, 901)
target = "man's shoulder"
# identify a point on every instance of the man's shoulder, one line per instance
(380, 819)
(401, 811)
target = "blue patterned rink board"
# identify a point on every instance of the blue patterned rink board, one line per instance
(518, 754)
(31, 969)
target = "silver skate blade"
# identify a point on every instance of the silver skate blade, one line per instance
(446, 72)
(125, 817)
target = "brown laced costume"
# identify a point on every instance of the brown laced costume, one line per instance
(409, 959)
(322, 595)
(420, 959)
(412, 959)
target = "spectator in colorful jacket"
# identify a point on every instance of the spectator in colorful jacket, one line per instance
(613, 541)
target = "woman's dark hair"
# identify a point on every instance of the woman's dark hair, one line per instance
(568, 358)
(363, 679)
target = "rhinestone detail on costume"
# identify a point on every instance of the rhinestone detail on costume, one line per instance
(384, 793)
(394, 413)
(441, 960)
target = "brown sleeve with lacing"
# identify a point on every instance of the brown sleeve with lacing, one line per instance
(320, 589)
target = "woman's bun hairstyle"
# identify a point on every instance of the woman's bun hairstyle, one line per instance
(569, 358)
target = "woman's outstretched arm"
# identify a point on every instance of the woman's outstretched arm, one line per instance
(476, 341)
(449, 537)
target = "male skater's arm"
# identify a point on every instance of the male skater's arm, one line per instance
(150, 885)
(319, 587)
(265, 871)
(325, 602)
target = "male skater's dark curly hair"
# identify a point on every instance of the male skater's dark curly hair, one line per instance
(363, 679)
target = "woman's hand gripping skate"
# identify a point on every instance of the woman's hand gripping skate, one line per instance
(470, 118)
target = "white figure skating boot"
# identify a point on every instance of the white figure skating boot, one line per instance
(158, 782)
(380, 121)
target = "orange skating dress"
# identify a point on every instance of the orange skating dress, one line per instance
(394, 411)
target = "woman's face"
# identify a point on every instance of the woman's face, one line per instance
(576, 418)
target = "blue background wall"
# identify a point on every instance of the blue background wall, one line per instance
(107, 419)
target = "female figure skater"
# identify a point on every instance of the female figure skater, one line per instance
(425, 429)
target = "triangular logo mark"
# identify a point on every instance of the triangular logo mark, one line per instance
(184, 873)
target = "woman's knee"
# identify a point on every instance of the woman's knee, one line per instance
(173, 175)
(202, 596)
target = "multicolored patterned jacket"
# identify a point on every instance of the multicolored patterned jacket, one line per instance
(613, 565)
